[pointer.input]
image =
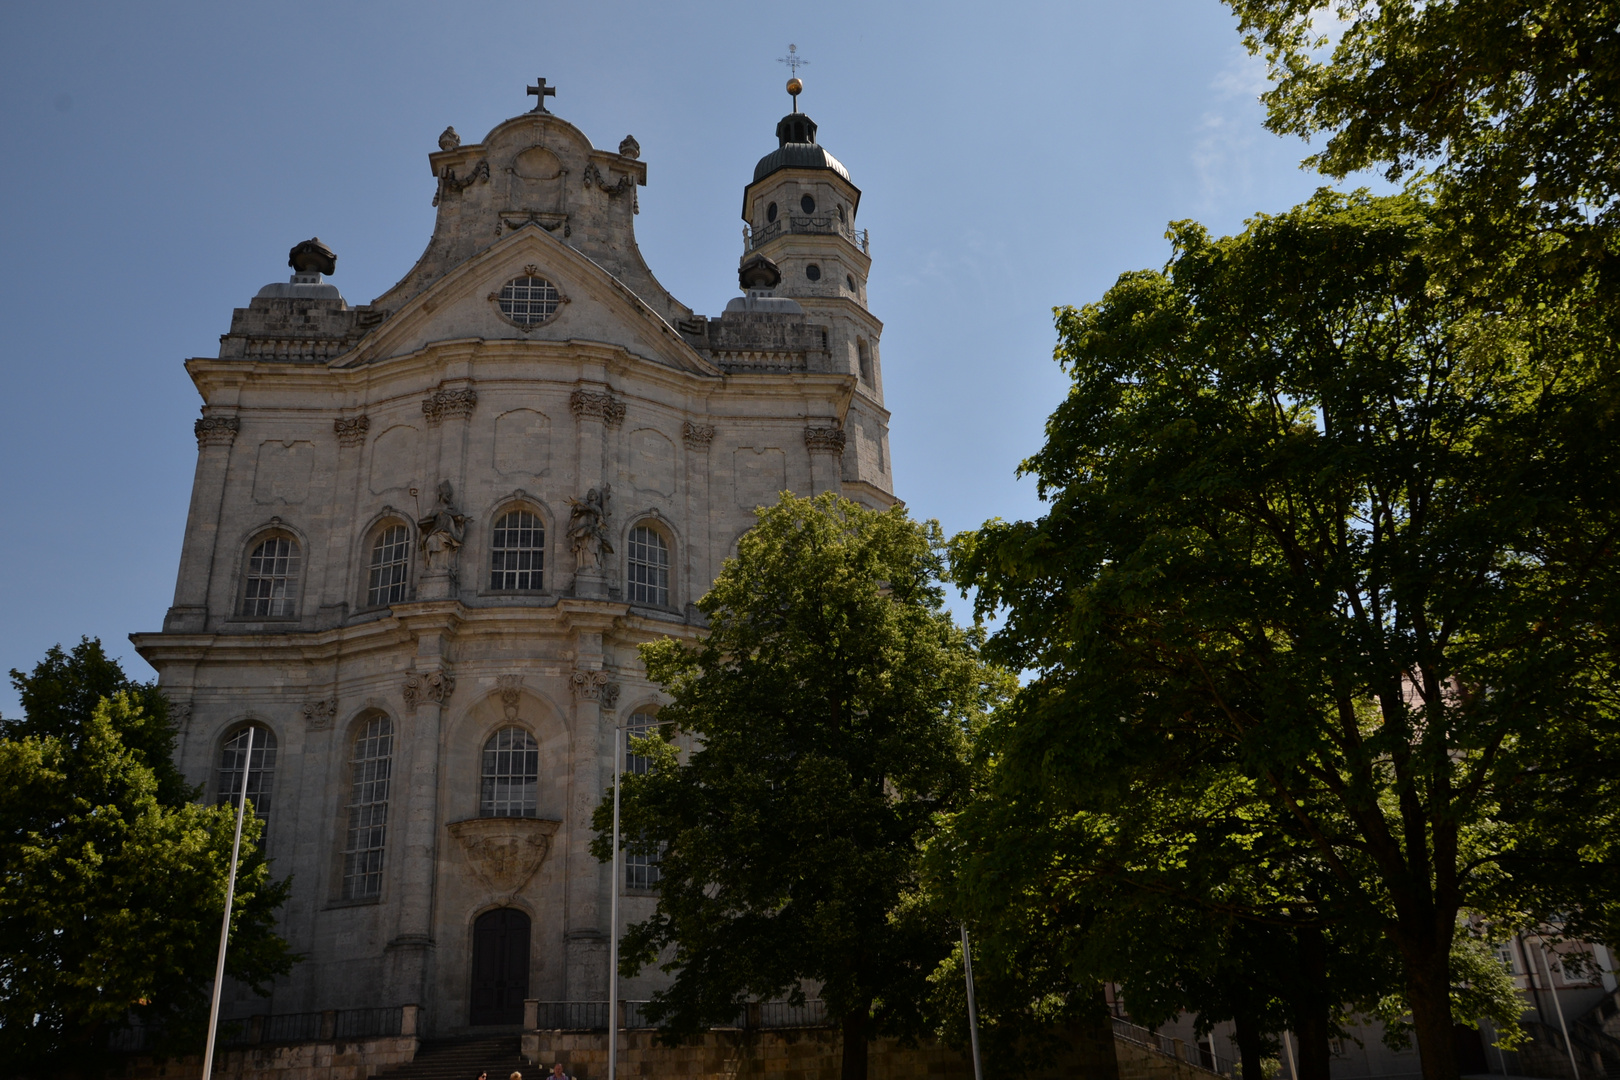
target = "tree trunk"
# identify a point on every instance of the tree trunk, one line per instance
(857, 1025)
(1098, 1059)
(1428, 991)
(1311, 1006)
(1245, 1032)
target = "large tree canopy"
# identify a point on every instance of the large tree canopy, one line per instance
(829, 707)
(1514, 105)
(1334, 551)
(110, 900)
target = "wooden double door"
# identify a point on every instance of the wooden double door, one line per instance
(500, 967)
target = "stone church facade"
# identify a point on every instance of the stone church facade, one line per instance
(427, 533)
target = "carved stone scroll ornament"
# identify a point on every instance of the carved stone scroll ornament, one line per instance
(596, 405)
(511, 687)
(351, 430)
(450, 184)
(593, 176)
(319, 714)
(504, 853)
(697, 436)
(447, 403)
(824, 440)
(434, 686)
(216, 430)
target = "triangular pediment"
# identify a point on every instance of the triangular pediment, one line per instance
(590, 305)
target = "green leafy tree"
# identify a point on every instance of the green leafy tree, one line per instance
(1512, 105)
(64, 690)
(1345, 539)
(110, 899)
(830, 707)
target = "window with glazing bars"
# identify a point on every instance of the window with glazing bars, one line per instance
(648, 576)
(233, 757)
(511, 775)
(517, 552)
(369, 771)
(271, 588)
(390, 567)
(640, 861)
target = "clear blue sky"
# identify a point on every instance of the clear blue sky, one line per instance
(163, 157)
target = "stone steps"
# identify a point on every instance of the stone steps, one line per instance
(464, 1059)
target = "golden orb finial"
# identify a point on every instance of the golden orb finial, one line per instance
(795, 87)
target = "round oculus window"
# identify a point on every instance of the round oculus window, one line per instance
(807, 204)
(770, 212)
(528, 301)
(813, 272)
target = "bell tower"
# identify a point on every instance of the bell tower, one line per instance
(801, 212)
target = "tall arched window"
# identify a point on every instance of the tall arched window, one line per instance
(640, 860)
(517, 552)
(270, 588)
(511, 775)
(370, 767)
(390, 566)
(233, 758)
(647, 575)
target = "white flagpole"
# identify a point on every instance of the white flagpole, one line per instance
(613, 914)
(225, 925)
(973, 1008)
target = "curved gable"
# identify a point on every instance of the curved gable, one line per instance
(593, 306)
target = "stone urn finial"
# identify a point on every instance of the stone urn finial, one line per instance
(312, 257)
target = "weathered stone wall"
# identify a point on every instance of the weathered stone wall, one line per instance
(302, 1061)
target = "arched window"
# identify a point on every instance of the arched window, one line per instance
(641, 722)
(511, 775)
(390, 566)
(865, 352)
(517, 552)
(233, 758)
(640, 861)
(270, 589)
(648, 572)
(370, 767)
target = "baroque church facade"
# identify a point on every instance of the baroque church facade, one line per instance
(427, 534)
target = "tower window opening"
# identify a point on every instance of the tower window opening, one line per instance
(849, 279)
(813, 272)
(807, 203)
(770, 212)
(864, 352)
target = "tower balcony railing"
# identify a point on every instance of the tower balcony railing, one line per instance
(806, 225)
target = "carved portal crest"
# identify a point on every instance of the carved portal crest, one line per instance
(504, 853)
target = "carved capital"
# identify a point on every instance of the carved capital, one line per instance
(504, 853)
(511, 694)
(351, 430)
(216, 430)
(447, 403)
(319, 714)
(597, 686)
(697, 436)
(824, 440)
(434, 686)
(596, 405)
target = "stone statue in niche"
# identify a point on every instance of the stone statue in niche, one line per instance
(587, 529)
(442, 532)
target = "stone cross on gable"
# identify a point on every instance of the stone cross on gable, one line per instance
(542, 91)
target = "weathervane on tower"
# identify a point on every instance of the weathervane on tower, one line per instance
(794, 62)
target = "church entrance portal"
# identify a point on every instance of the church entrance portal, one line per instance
(500, 967)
